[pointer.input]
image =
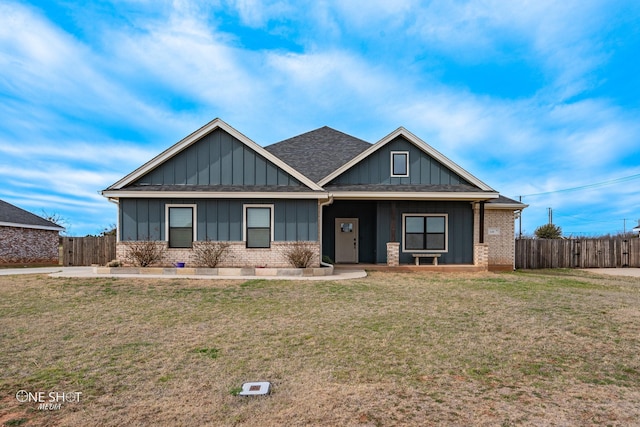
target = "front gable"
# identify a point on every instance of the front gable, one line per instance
(218, 158)
(426, 174)
(214, 159)
(377, 168)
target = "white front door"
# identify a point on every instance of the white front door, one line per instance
(346, 240)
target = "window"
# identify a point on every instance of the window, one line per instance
(424, 232)
(400, 163)
(180, 226)
(258, 225)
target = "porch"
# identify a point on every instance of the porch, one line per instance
(446, 268)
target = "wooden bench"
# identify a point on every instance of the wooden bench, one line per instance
(434, 256)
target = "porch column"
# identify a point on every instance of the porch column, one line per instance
(481, 255)
(393, 254)
(481, 231)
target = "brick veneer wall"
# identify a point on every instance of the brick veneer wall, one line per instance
(501, 246)
(237, 256)
(28, 245)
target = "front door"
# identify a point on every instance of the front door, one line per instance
(346, 240)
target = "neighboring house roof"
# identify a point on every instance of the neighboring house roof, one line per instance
(319, 152)
(13, 216)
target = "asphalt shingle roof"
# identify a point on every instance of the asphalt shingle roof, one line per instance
(318, 153)
(14, 215)
(505, 200)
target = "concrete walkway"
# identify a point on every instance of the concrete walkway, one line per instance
(339, 274)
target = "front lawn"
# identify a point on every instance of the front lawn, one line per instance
(526, 348)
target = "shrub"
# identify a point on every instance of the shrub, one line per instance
(143, 253)
(299, 254)
(210, 254)
(548, 231)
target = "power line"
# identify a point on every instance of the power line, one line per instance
(589, 220)
(588, 186)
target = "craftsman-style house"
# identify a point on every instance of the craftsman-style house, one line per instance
(398, 201)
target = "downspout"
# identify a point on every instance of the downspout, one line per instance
(481, 236)
(117, 203)
(320, 206)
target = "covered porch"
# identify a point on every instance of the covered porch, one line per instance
(380, 234)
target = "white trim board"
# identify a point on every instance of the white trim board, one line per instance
(212, 195)
(31, 226)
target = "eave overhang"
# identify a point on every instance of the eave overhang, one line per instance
(410, 195)
(506, 206)
(31, 226)
(124, 194)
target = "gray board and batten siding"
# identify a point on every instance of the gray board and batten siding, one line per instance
(218, 159)
(375, 224)
(376, 168)
(218, 219)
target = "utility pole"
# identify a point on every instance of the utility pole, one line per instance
(520, 220)
(550, 215)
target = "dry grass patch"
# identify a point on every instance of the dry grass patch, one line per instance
(542, 348)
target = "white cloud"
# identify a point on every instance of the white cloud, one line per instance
(257, 13)
(162, 75)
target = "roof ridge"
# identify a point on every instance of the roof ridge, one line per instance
(318, 152)
(316, 130)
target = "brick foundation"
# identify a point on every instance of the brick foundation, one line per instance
(237, 256)
(28, 246)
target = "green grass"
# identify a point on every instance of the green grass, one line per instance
(544, 347)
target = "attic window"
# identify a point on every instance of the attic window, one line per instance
(399, 163)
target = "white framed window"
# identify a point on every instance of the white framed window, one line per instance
(399, 163)
(180, 225)
(258, 226)
(425, 233)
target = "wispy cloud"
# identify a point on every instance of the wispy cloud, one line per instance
(83, 106)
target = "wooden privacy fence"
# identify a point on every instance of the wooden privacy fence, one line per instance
(88, 250)
(579, 253)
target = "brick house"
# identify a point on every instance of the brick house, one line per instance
(26, 238)
(395, 202)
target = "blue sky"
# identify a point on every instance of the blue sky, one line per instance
(531, 97)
